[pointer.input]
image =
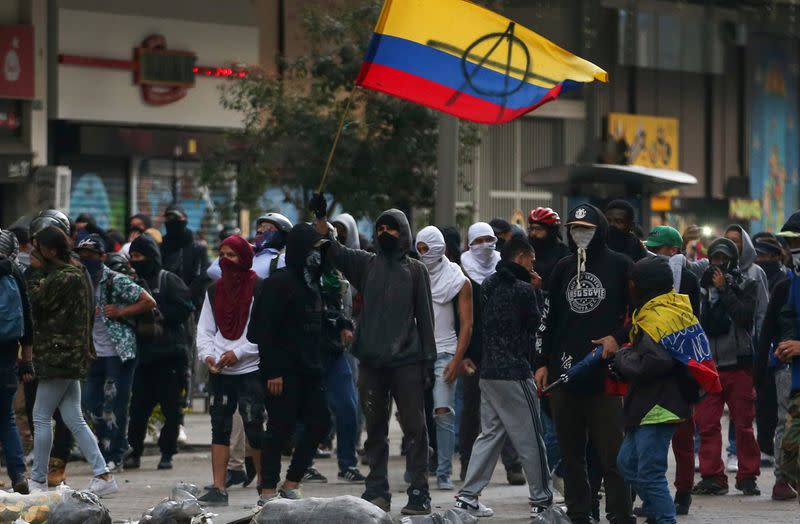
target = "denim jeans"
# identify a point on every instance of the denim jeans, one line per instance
(108, 393)
(551, 443)
(64, 394)
(642, 461)
(444, 396)
(9, 436)
(343, 403)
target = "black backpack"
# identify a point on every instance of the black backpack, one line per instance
(148, 326)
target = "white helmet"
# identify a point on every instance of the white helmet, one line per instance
(281, 222)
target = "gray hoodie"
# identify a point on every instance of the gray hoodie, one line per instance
(349, 223)
(396, 325)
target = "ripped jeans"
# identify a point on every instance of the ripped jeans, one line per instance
(444, 396)
(107, 395)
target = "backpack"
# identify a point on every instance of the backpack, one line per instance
(149, 326)
(12, 324)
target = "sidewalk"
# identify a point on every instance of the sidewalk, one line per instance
(143, 488)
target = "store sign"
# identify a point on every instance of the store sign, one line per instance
(745, 209)
(16, 62)
(648, 141)
(14, 168)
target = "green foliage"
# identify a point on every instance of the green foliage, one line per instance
(387, 152)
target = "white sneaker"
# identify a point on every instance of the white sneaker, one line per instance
(36, 486)
(733, 464)
(558, 487)
(182, 438)
(537, 510)
(473, 506)
(113, 467)
(696, 463)
(101, 487)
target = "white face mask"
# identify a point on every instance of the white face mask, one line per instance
(582, 236)
(430, 259)
(483, 252)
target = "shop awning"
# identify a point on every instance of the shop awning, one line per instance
(649, 178)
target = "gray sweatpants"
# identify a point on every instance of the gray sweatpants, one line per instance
(509, 408)
(783, 386)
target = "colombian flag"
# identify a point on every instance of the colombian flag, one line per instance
(669, 320)
(462, 59)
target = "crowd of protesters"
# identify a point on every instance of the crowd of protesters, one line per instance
(579, 363)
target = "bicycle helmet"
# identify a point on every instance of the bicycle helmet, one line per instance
(544, 215)
(281, 222)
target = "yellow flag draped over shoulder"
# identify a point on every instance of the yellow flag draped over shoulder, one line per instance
(459, 58)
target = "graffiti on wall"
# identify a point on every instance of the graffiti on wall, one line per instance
(102, 199)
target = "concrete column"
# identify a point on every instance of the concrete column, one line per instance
(447, 167)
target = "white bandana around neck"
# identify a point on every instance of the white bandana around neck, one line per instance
(482, 265)
(447, 279)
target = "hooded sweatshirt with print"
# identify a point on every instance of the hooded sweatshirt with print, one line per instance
(286, 321)
(396, 325)
(584, 305)
(349, 223)
(753, 271)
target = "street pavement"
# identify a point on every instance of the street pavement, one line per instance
(143, 488)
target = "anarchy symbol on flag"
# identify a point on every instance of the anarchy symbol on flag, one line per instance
(508, 40)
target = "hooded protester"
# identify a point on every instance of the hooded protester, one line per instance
(621, 238)
(182, 255)
(769, 256)
(588, 302)
(62, 310)
(347, 230)
(503, 230)
(396, 347)
(544, 235)
(286, 325)
(728, 315)
(269, 243)
(162, 353)
(451, 293)
(222, 345)
(479, 263)
(751, 270)
(508, 410)
(452, 243)
(661, 388)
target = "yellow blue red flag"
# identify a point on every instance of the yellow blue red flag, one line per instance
(459, 58)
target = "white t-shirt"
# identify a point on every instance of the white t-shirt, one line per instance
(103, 343)
(444, 328)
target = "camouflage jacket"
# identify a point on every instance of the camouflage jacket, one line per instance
(62, 306)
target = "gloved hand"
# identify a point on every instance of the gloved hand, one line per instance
(318, 205)
(613, 371)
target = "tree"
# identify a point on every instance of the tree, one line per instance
(387, 152)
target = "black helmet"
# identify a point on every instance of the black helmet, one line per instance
(281, 222)
(48, 218)
(119, 263)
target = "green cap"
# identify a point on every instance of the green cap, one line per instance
(664, 236)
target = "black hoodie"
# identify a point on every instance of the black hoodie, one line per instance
(577, 315)
(286, 322)
(396, 325)
(548, 252)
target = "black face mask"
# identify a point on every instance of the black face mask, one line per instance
(144, 268)
(175, 227)
(617, 240)
(94, 267)
(541, 245)
(770, 267)
(499, 244)
(387, 242)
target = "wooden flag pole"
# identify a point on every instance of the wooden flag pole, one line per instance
(336, 140)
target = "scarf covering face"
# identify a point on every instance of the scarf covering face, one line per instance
(480, 262)
(234, 291)
(447, 279)
(669, 320)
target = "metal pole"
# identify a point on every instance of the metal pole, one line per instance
(447, 164)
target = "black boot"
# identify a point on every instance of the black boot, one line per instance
(683, 501)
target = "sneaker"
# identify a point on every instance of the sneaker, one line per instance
(767, 461)
(182, 437)
(683, 501)
(351, 475)
(102, 487)
(36, 486)
(733, 464)
(312, 475)
(473, 506)
(515, 477)
(213, 497)
(419, 503)
(558, 487)
(444, 483)
(268, 498)
(748, 487)
(323, 453)
(56, 472)
(132, 462)
(383, 503)
(781, 491)
(710, 486)
(696, 463)
(234, 477)
(21, 486)
(537, 510)
(115, 467)
(291, 494)
(165, 462)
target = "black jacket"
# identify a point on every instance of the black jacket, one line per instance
(654, 379)
(189, 260)
(475, 349)
(773, 331)
(573, 316)
(548, 253)
(627, 244)
(510, 319)
(690, 285)
(286, 322)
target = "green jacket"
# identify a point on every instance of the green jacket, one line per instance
(62, 307)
